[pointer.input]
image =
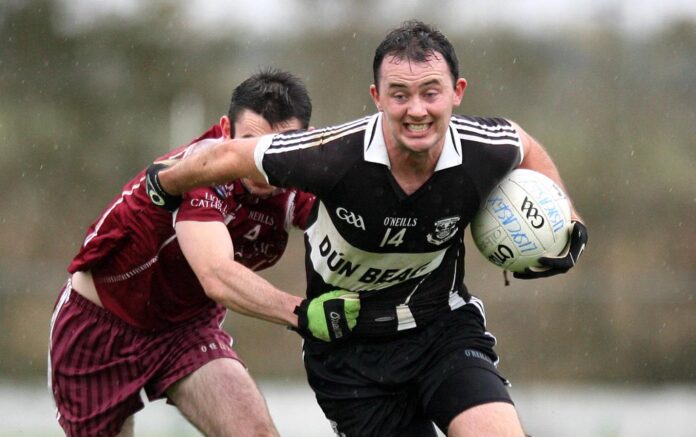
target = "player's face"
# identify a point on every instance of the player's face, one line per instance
(250, 124)
(417, 99)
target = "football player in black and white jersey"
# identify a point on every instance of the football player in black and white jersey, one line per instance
(396, 191)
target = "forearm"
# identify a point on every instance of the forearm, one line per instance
(537, 158)
(224, 162)
(241, 290)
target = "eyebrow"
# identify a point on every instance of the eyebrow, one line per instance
(400, 85)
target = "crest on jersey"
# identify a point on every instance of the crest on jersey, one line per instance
(445, 229)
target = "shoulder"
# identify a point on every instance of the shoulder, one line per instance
(484, 128)
(492, 133)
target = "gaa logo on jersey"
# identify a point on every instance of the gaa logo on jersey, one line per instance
(350, 217)
(445, 229)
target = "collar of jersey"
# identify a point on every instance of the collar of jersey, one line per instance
(375, 148)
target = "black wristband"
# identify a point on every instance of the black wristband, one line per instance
(155, 191)
(302, 322)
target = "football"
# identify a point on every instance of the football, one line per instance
(527, 216)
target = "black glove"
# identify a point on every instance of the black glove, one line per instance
(565, 261)
(329, 317)
(154, 189)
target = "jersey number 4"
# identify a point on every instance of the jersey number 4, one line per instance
(253, 233)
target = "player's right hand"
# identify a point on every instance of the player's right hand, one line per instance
(154, 188)
(330, 317)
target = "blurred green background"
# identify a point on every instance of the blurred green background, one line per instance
(90, 95)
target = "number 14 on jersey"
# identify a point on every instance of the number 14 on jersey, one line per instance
(392, 237)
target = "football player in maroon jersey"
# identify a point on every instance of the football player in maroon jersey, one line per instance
(149, 288)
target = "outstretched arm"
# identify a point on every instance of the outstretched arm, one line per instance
(209, 251)
(224, 162)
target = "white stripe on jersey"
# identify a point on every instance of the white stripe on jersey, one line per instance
(455, 300)
(494, 142)
(472, 130)
(180, 154)
(487, 134)
(287, 142)
(108, 211)
(466, 122)
(345, 266)
(475, 301)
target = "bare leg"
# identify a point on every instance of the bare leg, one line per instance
(496, 419)
(221, 399)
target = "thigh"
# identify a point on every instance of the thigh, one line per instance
(495, 419)
(465, 390)
(361, 396)
(179, 352)
(393, 414)
(92, 373)
(221, 399)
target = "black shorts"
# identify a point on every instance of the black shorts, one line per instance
(401, 387)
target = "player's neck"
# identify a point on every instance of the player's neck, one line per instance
(412, 170)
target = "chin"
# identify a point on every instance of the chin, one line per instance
(418, 145)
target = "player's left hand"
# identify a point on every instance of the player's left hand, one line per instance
(330, 317)
(565, 261)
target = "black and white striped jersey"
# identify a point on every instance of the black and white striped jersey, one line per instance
(403, 253)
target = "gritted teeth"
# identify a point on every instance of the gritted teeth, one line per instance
(417, 127)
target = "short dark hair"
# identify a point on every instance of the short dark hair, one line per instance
(416, 41)
(275, 95)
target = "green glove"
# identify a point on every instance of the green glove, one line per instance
(329, 317)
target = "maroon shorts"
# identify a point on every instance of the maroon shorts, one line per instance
(98, 364)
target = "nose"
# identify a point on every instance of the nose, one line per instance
(416, 108)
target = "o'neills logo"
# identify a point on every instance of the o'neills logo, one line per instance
(445, 229)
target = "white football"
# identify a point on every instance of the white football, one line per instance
(525, 217)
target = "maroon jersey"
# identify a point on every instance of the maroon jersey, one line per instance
(139, 271)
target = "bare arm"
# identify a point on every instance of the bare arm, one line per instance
(208, 249)
(224, 162)
(536, 158)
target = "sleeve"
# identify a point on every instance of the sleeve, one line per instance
(301, 209)
(492, 148)
(203, 205)
(312, 161)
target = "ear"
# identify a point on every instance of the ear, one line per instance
(459, 88)
(226, 126)
(375, 97)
